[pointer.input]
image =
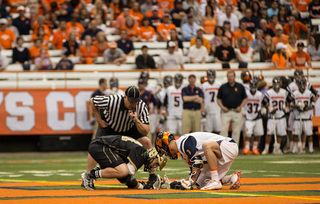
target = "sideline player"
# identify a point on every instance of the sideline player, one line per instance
(172, 106)
(253, 123)
(208, 155)
(303, 111)
(276, 100)
(212, 110)
(120, 157)
(114, 87)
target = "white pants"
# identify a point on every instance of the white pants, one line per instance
(254, 127)
(307, 127)
(290, 121)
(236, 119)
(281, 126)
(213, 122)
(174, 126)
(229, 152)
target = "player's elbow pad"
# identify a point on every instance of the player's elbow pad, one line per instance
(197, 162)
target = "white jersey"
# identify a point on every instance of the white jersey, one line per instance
(109, 92)
(210, 92)
(201, 137)
(277, 101)
(174, 102)
(162, 94)
(253, 105)
(246, 86)
(306, 98)
(292, 87)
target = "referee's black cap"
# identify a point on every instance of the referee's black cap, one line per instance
(133, 94)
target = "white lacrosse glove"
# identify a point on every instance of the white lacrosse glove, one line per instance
(271, 110)
(301, 105)
(263, 111)
(287, 109)
(186, 184)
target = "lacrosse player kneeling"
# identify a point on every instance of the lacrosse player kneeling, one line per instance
(120, 157)
(303, 108)
(208, 155)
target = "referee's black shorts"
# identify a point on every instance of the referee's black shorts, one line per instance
(104, 155)
(133, 132)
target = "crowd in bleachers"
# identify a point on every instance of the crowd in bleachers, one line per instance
(97, 31)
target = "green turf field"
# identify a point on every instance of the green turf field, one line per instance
(69, 166)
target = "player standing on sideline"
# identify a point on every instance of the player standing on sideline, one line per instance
(212, 109)
(246, 77)
(114, 87)
(120, 157)
(254, 126)
(208, 155)
(303, 111)
(172, 106)
(276, 99)
(167, 82)
(124, 115)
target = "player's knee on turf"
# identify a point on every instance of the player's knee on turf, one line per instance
(129, 180)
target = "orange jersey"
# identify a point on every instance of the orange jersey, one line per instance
(238, 34)
(280, 60)
(89, 54)
(100, 48)
(45, 39)
(147, 33)
(132, 32)
(166, 5)
(284, 39)
(104, 8)
(206, 42)
(59, 38)
(226, 2)
(165, 30)
(47, 31)
(121, 21)
(272, 27)
(12, 8)
(160, 13)
(298, 26)
(301, 5)
(6, 38)
(115, 9)
(35, 52)
(77, 27)
(209, 26)
(300, 60)
(137, 16)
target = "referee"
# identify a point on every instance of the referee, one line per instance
(124, 115)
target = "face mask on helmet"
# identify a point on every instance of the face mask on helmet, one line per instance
(302, 85)
(152, 155)
(210, 80)
(162, 144)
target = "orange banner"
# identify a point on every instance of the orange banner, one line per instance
(44, 111)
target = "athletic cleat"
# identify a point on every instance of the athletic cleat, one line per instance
(255, 151)
(88, 182)
(265, 151)
(246, 151)
(303, 151)
(235, 180)
(288, 150)
(212, 185)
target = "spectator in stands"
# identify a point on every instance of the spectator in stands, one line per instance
(40, 23)
(101, 43)
(244, 53)
(314, 48)
(240, 13)
(279, 37)
(84, 17)
(12, 27)
(229, 16)
(283, 15)
(145, 61)
(99, 9)
(224, 53)
(164, 28)
(256, 9)
(92, 30)
(135, 12)
(20, 55)
(267, 50)
(217, 39)
(48, 21)
(64, 12)
(22, 23)
(43, 62)
(146, 6)
(177, 49)
(7, 36)
(224, 3)
(193, 4)
(60, 36)
(3, 62)
(177, 13)
(232, 98)
(125, 44)
(300, 5)
(155, 11)
(71, 45)
(265, 29)
(274, 8)
(88, 53)
(3, 11)
(273, 23)
(215, 7)
(64, 63)
(242, 33)
(258, 41)
(228, 33)
(175, 37)
(209, 20)
(74, 25)
(116, 7)
(132, 29)
(314, 11)
(190, 11)
(200, 32)
(101, 24)
(291, 46)
(42, 35)
(295, 27)
(300, 58)
(155, 18)
(264, 13)
(251, 21)
(146, 32)
(34, 51)
(189, 30)
(280, 58)
(192, 97)
(114, 55)
(170, 59)
(198, 53)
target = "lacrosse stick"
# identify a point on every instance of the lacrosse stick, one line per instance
(300, 134)
(276, 145)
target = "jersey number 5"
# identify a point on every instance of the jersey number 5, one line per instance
(177, 101)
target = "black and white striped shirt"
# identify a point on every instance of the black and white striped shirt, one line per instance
(117, 115)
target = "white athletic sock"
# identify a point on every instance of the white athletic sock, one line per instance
(266, 146)
(310, 146)
(226, 179)
(255, 145)
(291, 145)
(247, 146)
(214, 174)
(294, 146)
